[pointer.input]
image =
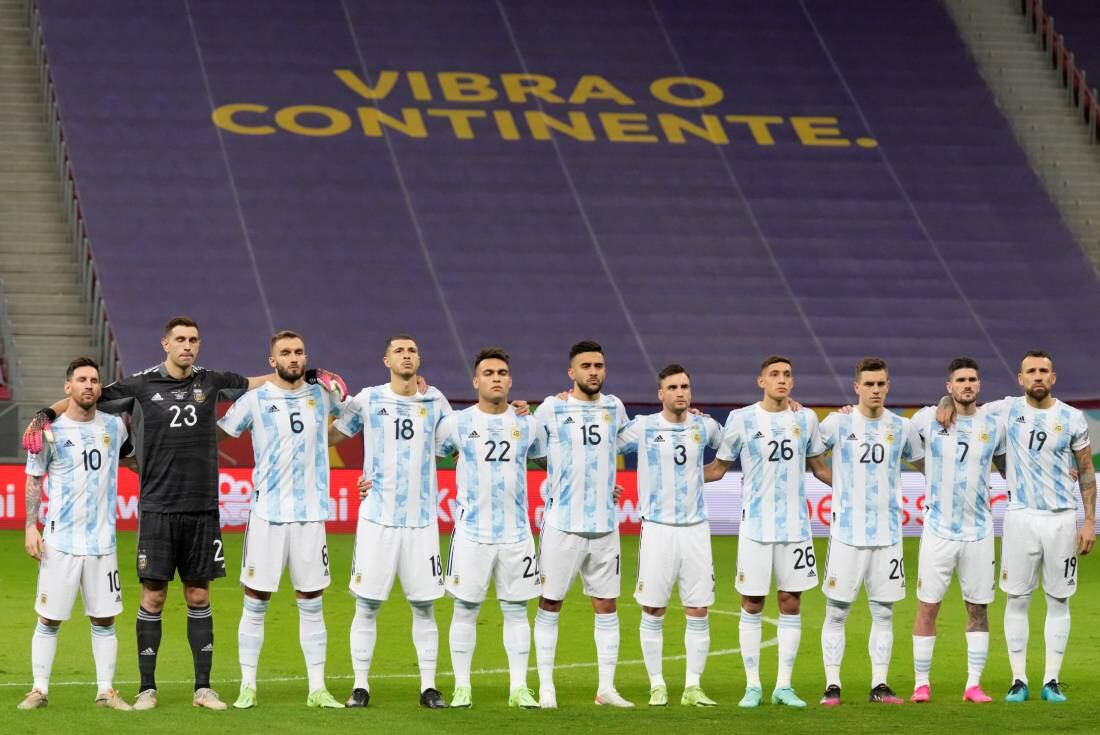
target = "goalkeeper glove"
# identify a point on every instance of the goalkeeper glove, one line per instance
(38, 428)
(330, 381)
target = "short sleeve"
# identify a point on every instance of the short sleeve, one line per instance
(37, 463)
(922, 420)
(914, 447)
(997, 408)
(628, 437)
(828, 430)
(537, 447)
(1079, 432)
(543, 418)
(238, 419)
(350, 422)
(1001, 434)
(730, 448)
(714, 432)
(815, 445)
(445, 444)
(444, 406)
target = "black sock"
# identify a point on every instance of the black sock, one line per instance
(200, 634)
(148, 644)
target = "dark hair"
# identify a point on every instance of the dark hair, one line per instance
(179, 321)
(870, 365)
(285, 334)
(79, 363)
(491, 353)
(584, 346)
(960, 363)
(1037, 353)
(772, 359)
(393, 338)
(670, 370)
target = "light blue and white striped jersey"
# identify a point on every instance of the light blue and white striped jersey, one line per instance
(580, 462)
(82, 464)
(957, 462)
(290, 482)
(492, 471)
(398, 453)
(773, 447)
(867, 456)
(670, 465)
(1040, 444)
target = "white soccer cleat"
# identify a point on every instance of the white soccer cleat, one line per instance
(548, 698)
(612, 698)
(35, 699)
(207, 698)
(146, 700)
(111, 700)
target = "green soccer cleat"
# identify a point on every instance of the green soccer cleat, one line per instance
(246, 699)
(786, 696)
(752, 697)
(463, 698)
(521, 697)
(1052, 692)
(695, 697)
(321, 698)
(658, 696)
(1017, 692)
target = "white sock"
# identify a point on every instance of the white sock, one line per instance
(425, 634)
(105, 654)
(313, 638)
(652, 637)
(546, 645)
(922, 659)
(462, 637)
(880, 644)
(250, 638)
(517, 642)
(832, 639)
(1056, 633)
(43, 650)
(607, 648)
(790, 636)
(697, 646)
(749, 633)
(977, 650)
(1016, 634)
(364, 633)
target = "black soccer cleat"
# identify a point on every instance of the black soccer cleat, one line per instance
(831, 698)
(358, 698)
(883, 694)
(432, 699)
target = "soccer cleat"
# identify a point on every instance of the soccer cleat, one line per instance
(321, 698)
(358, 698)
(146, 699)
(1017, 692)
(921, 694)
(1052, 692)
(432, 699)
(658, 696)
(246, 699)
(612, 698)
(695, 697)
(110, 700)
(548, 698)
(831, 698)
(521, 697)
(752, 698)
(786, 696)
(207, 698)
(883, 694)
(35, 699)
(975, 694)
(463, 698)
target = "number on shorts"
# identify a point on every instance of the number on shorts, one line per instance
(93, 460)
(503, 446)
(403, 429)
(965, 448)
(897, 570)
(872, 453)
(531, 568)
(324, 554)
(681, 457)
(114, 584)
(183, 416)
(437, 565)
(804, 558)
(1071, 567)
(219, 552)
(296, 424)
(617, 564)
(780, 450)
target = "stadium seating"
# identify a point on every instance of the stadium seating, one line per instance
(869, 198)
(1080, 23)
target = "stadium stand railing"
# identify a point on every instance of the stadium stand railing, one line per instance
(1073, 77)
(103, 338)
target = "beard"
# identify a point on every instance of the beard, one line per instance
(1037, 393)
(589, 390)
(965, 401)
(290, 376)
(85, 404)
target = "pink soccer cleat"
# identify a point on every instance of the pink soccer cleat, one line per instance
(921, 694)
(975, 694)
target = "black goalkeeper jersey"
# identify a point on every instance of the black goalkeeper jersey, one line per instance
(174, 430)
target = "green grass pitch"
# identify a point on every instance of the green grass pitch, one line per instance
(394, 682)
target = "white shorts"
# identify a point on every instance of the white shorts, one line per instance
(1032, 540)
(939, 557)
(269, 548)
(880, 568)
(563, 554)
(383, 553)
(60, 575)
(514, 569)
(675, 555)
(793, 563)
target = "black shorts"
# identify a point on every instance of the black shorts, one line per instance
(188, 542)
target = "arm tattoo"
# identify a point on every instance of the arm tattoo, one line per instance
(1086, 477)
(33, 498)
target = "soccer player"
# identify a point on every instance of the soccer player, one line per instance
(492, 540)
(775, 446)
(77, 551)
(958, 525)
(865, 546)
(674, 549)
(288, 419)
(580, 531)
(174, 426)
(1046, 440)
(397, 535)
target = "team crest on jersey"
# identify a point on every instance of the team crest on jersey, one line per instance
(983, 437)
(198, 394)
(696, 437)
(1058, 428)
(311, 403)
(515, 433)
(106, 440)
(423, 411)
(889, 438)
(796, 431)
(607, 418)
